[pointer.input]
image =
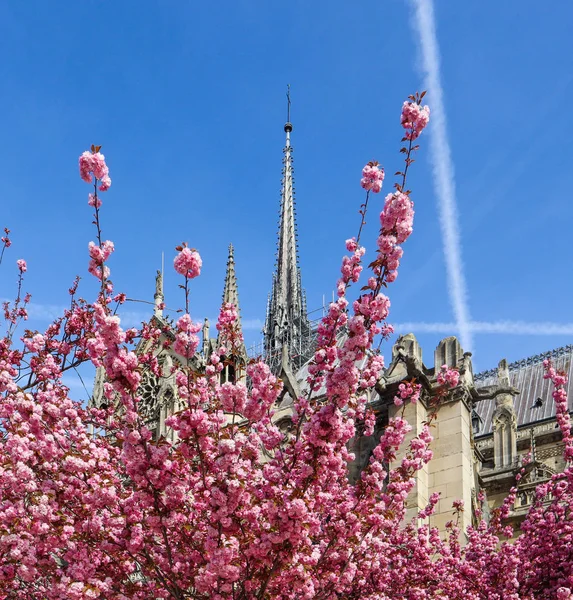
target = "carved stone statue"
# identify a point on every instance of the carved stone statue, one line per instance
(158, 283)
(503, 374)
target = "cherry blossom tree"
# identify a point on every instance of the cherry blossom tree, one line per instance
(236, 507)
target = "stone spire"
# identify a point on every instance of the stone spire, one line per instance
(231, 291)
(234, 363)
(286, 320)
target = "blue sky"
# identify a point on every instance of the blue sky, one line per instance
(188, 101)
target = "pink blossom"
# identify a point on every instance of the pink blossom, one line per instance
(105, 183)
(414, 119)
(86, 166)
(391, 276)
(188, 263)
(407, 391)
(92, 164)
(94, 201)
(351, 245)
(5, 239)
(448, 377)
(22, 266)
(372, 177)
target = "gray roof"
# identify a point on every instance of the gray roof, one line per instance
(527, 376)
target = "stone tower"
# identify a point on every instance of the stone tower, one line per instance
(286, 325)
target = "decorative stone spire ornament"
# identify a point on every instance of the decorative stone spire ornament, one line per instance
(234, 364)
(230, 291)
(286, 321)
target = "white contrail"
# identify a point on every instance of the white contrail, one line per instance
(443, 168)
(491, 327)
(522, 327)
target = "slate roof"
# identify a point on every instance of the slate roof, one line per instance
(527, 376)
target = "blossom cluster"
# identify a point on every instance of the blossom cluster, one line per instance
(407, 391)
(414, 119)
(5, 239)
(92, 164)
(448, 377)
(188, 263)
(372, 177)
(98, 256)
(186, 340)
(396, 221)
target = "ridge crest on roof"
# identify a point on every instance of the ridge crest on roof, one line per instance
(527, 362)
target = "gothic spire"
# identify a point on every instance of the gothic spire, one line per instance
(286, 321)
(234, 363)
(231, 291)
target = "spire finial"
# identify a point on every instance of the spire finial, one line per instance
(288, 124)
(231, 292)
(231, 296)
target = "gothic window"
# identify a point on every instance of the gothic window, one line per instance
(228, 373)
(149, 403)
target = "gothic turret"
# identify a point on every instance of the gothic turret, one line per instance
(233, 363)
(287, 323)
(504, 420)
(230, 291)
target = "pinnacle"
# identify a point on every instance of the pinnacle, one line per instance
(231, 291)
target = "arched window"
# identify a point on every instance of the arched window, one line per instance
(228, 373)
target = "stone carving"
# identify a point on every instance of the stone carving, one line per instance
(158, 297)
(410, 346)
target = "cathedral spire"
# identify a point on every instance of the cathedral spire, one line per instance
(235, 361)
(231, 291)
(286, 322)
